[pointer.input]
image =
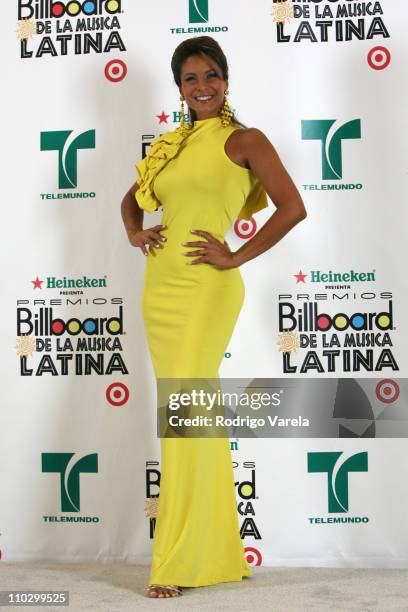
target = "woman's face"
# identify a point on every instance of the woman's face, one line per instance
(202, 85)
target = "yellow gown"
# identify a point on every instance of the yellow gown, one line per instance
(189, 313)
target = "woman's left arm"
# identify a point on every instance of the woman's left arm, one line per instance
(265, 163)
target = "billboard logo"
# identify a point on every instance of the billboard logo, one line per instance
(45, 9)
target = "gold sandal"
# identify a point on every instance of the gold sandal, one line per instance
(169, 587)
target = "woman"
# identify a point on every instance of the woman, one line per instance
(204, 175)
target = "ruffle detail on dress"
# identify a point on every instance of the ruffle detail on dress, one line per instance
(162, 150)
(256, 201)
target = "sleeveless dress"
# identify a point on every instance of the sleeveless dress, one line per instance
(189, 313)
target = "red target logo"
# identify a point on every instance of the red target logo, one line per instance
(115, 70)
(387, 391)
(253, 556)
(379, 58)
(244, 228)
(117, 394)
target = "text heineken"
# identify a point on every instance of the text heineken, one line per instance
(67, 283)
(343, 277)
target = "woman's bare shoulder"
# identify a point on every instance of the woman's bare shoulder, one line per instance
(246, 142)
(249, 135)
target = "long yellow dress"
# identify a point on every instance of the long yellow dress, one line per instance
(189, 313)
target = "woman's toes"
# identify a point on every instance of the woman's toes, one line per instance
(162, 592)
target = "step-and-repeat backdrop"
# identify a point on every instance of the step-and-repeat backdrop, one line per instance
(88, 87)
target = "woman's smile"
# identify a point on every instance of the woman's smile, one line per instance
(204, 98)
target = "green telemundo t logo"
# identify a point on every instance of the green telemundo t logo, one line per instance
(198, 11)
(69, 484)
(318, 129)
(67, 155)
(337, 476)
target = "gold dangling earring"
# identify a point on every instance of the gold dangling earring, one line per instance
(184, 127)
(226, 112)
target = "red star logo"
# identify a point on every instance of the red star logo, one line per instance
(163, 117)
(37, 283)
(300, 277)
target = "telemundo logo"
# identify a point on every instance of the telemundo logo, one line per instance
(331, 139)
(69, 483)
(67, 159)
(198, 13)
(337, 470)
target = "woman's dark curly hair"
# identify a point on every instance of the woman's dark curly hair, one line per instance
(199, 45)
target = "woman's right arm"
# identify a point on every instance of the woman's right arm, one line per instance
(132, 216)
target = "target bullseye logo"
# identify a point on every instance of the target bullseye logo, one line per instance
(379, 58)
(244, 228)
(253, 556)
(115, 70)
(117, 394)
(387, 391)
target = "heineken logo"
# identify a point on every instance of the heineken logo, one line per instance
(317, 276)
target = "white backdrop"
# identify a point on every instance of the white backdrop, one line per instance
(79, 456)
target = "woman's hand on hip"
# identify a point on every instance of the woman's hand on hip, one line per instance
(149, 237)
(211, 251)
